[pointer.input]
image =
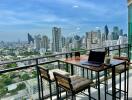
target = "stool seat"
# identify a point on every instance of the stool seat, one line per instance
(58, 71)
(47, 75)
(73, 84)
(79, 83)
(121, 68)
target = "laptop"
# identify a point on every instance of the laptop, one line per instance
(96, 58)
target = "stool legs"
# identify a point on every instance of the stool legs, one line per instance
(66, 95)
(120, 86)
(73, 96)
(89, 93)
(42, 88)
(50, 90)
(127, 83)
(106, 83)
(57, 90)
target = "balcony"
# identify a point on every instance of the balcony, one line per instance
(20, 79)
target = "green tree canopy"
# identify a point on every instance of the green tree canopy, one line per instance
(25, 77)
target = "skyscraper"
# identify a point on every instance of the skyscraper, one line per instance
(99, 34)
(37, 43)
(63, 39)
(121, 32)
(44, 42)
(99, 38)
(30, 39)
(115, 33)
(88, 40)
(92, 39)
(106, 31)
(56, 39)
(76, 42)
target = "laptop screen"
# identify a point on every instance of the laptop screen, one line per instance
(97, 56)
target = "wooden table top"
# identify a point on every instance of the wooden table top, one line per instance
(83, 58)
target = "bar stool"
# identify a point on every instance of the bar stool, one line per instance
(73, 84)
(121, 69)
(47, 75)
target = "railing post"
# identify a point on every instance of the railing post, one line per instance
(119, 50)
(38, 79)
(66, 63)
(66, 56)
(108, 49)
(72, 70)
(58, 64)
(71, 55)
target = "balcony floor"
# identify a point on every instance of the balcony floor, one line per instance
(94, 92)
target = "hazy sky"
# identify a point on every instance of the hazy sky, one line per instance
(19, 17)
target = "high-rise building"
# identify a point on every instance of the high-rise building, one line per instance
(44, 42)
(88, 40)
(76, 42)
(99, 38)
(130, 21)
(99, 34)
(122, 40)
(56, 39)
(83, 42)
(106, 31)
(37, 43)
(121, 32)
(30, 39)
(115, 33)
(116, 29)
(103, 38)
(92, 39)
(63, 39)
(68, 44)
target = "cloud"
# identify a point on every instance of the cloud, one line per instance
(75, 6)
(10, 17)
(37, 14)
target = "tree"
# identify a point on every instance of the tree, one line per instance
(3, 91)
(21, 86)
(6, 79)
(11, 65)
(25, 77)
(34, 74)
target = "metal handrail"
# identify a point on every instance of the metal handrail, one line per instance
(60, 54)
(36, 59)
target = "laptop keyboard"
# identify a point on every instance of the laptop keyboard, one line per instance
(89, 63)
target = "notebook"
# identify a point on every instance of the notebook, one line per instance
(96, 58)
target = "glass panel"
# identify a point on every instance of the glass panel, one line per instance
(124, 52)
(19, 85)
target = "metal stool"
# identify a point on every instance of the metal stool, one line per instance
(73, 84)
(47, 74)
(121, 69)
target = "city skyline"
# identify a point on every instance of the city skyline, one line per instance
(74, 17)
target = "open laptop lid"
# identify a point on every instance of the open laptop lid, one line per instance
(96, 56)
